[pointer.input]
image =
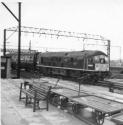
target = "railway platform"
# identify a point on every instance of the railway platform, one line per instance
(14, 112)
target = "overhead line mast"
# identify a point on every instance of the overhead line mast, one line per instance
(18, 19)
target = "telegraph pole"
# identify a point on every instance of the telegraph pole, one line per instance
(19, 39)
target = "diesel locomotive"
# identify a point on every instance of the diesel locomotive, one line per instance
(88, 65)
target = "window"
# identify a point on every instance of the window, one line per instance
(102, 60)
(96, 58)
(106, 59)
(90, 60)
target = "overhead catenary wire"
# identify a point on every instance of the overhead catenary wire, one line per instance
(57, 33)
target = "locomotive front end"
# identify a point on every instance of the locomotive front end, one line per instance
(101, 63)
(98, 65)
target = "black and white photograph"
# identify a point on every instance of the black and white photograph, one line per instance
(61, 62)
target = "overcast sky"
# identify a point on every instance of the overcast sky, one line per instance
(99, 17)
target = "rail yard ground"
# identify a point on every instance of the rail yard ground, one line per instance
(14, 112)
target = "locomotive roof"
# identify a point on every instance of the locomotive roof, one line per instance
(87, 53)
(53, 54)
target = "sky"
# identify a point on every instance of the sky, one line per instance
(98, 17)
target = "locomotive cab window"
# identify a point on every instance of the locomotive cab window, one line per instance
(106, 59)
(90, 60)
(96, 59)
(102, 60)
